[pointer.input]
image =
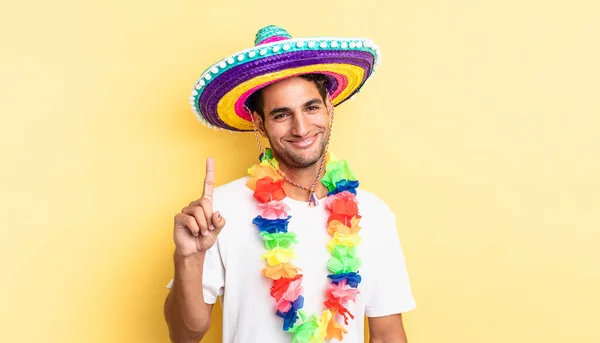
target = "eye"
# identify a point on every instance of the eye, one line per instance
(279, 116)
(313, 108)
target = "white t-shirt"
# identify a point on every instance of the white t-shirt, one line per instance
(232, 267)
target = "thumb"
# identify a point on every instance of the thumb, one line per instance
(218, 221)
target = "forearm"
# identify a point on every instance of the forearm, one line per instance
(186, 313)
(387, 329)
(391, 340)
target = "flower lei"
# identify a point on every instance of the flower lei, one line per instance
(342, 225)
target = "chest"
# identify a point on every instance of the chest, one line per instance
(243, 263)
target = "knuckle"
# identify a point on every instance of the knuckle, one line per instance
(197, 210)
(189, 221)
(185, 220)
(204, 202)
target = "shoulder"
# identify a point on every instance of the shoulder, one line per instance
(232, 187)
(378, 221)
(369, 202)
(232, 193)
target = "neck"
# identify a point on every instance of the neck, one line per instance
(304, 177)
(300, 194)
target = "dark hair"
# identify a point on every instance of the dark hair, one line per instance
(256, 102)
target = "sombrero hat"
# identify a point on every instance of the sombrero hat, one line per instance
(220, 94)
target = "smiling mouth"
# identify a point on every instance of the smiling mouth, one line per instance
(305, 143)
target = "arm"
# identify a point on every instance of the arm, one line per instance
(195, 232)
(186, 313)
(391, 294)
(387, 329)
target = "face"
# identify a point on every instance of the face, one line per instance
(297, 121)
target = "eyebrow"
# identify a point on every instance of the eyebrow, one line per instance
(287, 109)
(312, 102)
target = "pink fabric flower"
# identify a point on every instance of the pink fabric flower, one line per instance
(343, 292)
(291, 294)
(274, 210)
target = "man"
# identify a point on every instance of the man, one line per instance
(296, 251)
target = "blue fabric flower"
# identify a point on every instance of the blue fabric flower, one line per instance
(352, 279)
(345, 185)
(290, 317)
(271, 225)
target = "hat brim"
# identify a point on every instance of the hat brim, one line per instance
(219, 96)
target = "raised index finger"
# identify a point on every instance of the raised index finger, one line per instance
(209, 179)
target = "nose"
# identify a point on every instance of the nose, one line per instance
(300, 125)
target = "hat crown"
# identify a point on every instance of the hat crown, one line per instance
(271, 33)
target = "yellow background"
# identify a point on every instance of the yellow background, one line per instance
(480, 130)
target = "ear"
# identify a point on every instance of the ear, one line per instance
(259, 123)
(329, 104)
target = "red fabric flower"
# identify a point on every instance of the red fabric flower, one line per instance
(281, 285)
(343, 206)
(333, 304)
(344, 209)
(268, 190)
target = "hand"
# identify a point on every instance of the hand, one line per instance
(197, 227)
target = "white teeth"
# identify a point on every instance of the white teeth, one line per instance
(306, 141)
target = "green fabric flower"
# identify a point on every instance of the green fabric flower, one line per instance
(336, 171)
(268, 157)
(278, 239)
(344, 260)
(304, 332)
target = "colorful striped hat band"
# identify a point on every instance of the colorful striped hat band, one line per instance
(219, 98)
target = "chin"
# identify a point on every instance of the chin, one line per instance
(300, 158)
(304, 159)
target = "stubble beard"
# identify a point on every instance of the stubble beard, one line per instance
(292, 160)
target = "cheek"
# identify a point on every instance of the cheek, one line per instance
(320, 119)
(323, 121)
(275, 131)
